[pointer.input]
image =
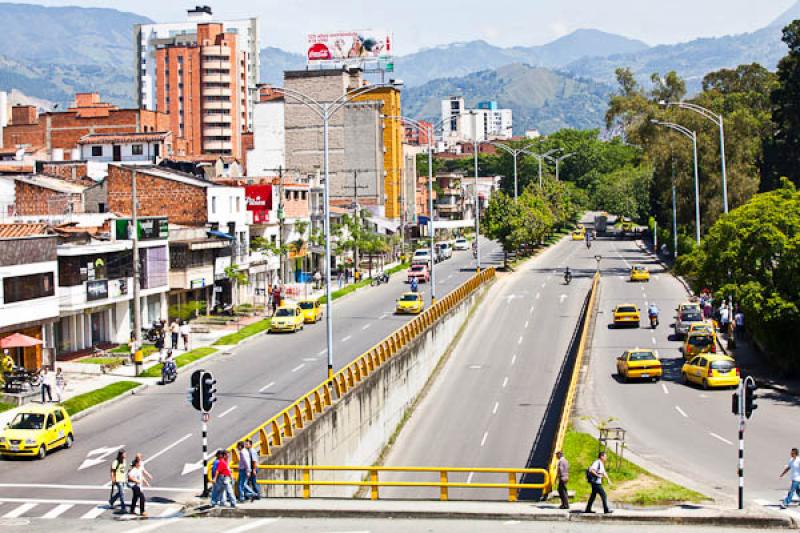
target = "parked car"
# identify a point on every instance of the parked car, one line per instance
(420, 273)
(461, 244)
(445, 250)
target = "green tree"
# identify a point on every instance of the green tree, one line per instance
(625, 192)
(498, 222)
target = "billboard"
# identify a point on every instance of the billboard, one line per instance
(349, 46)
(259, 201)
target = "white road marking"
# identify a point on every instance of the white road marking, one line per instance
(450, 276)
(469, 477)
(520, 340)
(265, 387)
(653, 339)
(505, 382)
(102, 455)
(475, 367)
(19, 511)
(225, 412)
(526, 324)
(322, 352)
(759, 501)
(543, 284)
(94, 512)
(169, 510)
(531, 311)
(57, 510)
(513, 359)
(511, 522)
(664, 388)
(73, 487)
(366, 326)
(151, 527)
(723, 439)
(644, 295)
(496, 405)
(298, 367)
(538, 295)
(253, 525)
(345, 339)
(562, 298)
(168, 448)
(681, 411)
(384, 315)
(485, 436)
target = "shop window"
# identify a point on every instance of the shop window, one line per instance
(23, 288)
(137, 149)
(97, 151)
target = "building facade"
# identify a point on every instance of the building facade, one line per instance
(483, 123)
(268, 154)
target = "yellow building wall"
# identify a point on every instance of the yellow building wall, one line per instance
(393, 148)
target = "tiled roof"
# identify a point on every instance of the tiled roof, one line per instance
(122, 138)
(11, 231)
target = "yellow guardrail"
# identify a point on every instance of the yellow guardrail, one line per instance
(444, 483)
(282, 427)
(569, 400)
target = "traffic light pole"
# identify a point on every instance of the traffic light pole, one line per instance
(204, 418)
(741, 443)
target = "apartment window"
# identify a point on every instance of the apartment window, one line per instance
(238, 203)
(180, 60)
(22, 288)
(137, 149)
(213, 205)
(97, 151)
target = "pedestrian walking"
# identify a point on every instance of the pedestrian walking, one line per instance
(245, 469)
(137, 481)
(255, 461)
(47, 384)
(159, 344)
(214, 485)
(562, 471)
(185, 330)
(317, 280)
(724, 316)
(738, 320)
(119, 475)
(792, 466)
(222, 477)
(276, 298)
(61, 385)
(708, 309)
(174, 329)
(595, 475)
(340, 279)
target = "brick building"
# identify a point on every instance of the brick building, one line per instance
(37, 194)
(59, 131)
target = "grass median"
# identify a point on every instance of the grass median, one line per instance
(6, 406)
(632, 484)
(242, 334)
(81, 402)
(335, 295)
(182, 360)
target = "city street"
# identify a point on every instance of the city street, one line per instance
(255, 381)
(487, 404)
(682, 431)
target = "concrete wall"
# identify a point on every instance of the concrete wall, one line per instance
(358, 427)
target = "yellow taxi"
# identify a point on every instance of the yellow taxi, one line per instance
(579, 234)
(288, 317)
(711, 371)
(702, 327)
(312, 311)
(36, 430)
(639, 364)
(689, 306)
(410, 303)
(697, 343)
(639, 273)
(626, 315)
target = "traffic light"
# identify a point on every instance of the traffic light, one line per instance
(193, 394)
(735, 403)
(208, 387)
(749, 398)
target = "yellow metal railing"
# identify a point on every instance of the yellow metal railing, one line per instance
(569, 400)
(282, 427)
(374, 483)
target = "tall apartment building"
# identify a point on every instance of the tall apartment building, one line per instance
(486, 122)
(204, 74)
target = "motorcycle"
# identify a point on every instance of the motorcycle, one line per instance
(383, 277)
(588, 244)
(169, 372)
(653, 321)
(567, 278)
(154, 332)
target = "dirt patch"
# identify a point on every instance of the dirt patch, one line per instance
(628, 490)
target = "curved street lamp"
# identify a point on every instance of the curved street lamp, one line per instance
(558, 160)
(325, 110)
(719, 121)
(540, 158)
(693, 136)
(515, 152)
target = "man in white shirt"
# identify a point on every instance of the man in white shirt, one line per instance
(792, 466)
(596, 474)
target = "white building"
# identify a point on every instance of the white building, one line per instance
(269, 138)
(148, 37)
(100, 149)
(486, 122)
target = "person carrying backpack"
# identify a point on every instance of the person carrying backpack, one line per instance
(595, 475)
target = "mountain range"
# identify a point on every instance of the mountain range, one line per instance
(49, 53)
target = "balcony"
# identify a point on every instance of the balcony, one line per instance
(216, 51)
(216, 104)
(217, 132)
(217, 78)
(451, 192)
(216, 91)
(216, 118)
(448, 208)
(217, 145)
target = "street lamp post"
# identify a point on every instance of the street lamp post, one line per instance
(477, 196)
(693, 136)
(515, 152)
(558, 160)
(325, 110)
(719, 121)
(541, 158)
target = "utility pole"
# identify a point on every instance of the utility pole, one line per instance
(137, 304)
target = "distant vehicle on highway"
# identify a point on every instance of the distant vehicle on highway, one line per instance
(626, 315)
(685, 319)
(312, 312)
(36, 430)
(288, 317)
(579, 234)
(444, 249)
(698, 343)
(410, 303)
(639, 364)
(640, 273)
(601, 222)
(711, 371)
(420, 273)
(421, 257)
(461, 244)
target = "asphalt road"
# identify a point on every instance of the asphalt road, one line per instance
(680, 429)
(486, 406)
(255, 381)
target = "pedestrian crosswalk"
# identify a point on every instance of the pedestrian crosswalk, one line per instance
(76, 509)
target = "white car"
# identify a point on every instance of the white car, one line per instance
(461, 244)
(421, 257)
(444, 249)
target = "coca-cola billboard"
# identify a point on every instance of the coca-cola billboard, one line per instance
(349, 46)
(259, 202)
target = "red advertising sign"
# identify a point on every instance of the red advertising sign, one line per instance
(259, 202)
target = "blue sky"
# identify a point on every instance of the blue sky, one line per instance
(426, 23)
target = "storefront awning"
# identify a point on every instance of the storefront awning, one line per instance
(221, 235)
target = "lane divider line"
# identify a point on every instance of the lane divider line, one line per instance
(366, 326)
(520, 340)
(723, 439)
(298, 367)
(505, 382)
(345, 339)
(496, 405)
(253, 525)
(664, 388)
(527, 323)
(265, 387)
(168, 448)
(681, 411)
(485, 436)
(227, 411)
(513, 359)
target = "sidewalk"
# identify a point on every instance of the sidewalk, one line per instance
(708, 515)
